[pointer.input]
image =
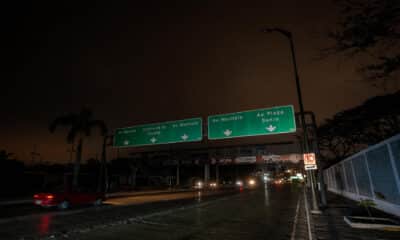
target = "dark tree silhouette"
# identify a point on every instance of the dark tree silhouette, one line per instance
(4, 155)
(11, 176)
(348, 131)
(81, 125)
(370, 29)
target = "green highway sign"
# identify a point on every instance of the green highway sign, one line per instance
(187, 130)
(266, 121)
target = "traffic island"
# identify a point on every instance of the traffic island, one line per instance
(372, 223)
(365, 216)
(345, 219)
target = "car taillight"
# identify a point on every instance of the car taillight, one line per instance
(49, 196)
(35, 196)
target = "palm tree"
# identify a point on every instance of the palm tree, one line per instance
(80, 125)
(103, 176)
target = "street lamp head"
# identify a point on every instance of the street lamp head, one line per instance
(267, 30)
(279, 30)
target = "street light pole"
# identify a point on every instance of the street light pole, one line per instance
(318, 156)
(300, 99)
(296, 76)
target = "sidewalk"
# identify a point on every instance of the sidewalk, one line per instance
(108, 195)
(330, 224)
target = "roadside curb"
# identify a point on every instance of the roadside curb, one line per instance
(309, 216)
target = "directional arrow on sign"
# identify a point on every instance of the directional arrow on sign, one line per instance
(184, 137)
(185, 130)
(252, 123)
(227, 132)
(271, 128)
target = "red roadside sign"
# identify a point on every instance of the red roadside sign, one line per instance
(309, 161)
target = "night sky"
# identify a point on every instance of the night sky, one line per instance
(136, 62)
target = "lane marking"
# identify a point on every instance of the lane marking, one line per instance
(307, 215)
(293, 235)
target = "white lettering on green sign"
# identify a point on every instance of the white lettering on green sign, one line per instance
(187, 130)
(275, 120)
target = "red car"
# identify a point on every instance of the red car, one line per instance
(64, 200)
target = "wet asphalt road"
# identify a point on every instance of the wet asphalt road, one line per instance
(31, 222)
(265, 213)
(261, 214)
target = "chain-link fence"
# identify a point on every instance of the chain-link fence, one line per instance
(373, 173)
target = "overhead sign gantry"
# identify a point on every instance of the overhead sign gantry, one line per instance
(265, 121)
(187, 130)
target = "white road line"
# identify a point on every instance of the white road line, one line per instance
(307, 215)
(293, 235)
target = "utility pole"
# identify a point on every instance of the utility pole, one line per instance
(71, 153)
(318, 157)
(216, 172)
(206, 175)
(288, 35)
(178, 174)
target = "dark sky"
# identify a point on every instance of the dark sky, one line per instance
(138, 62)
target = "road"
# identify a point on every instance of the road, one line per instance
(9, 211)
(29, 221)
(264, 213)
(251, 215)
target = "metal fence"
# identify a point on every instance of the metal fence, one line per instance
(373, 173)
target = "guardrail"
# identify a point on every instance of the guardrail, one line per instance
(373, 173)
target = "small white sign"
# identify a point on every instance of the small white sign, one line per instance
(310, 167)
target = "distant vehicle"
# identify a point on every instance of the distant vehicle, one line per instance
(198, 184)
(250, 183)
(213, 185)
(279, 181)
(66, 199)
(239, 183)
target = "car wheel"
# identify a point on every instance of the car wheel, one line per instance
(63, 205)
(98, 202)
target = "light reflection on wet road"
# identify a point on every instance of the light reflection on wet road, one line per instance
(154, 198)
(44, 224)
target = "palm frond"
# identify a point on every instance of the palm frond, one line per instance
(86, 114)
(66, 120)
(73, 132)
